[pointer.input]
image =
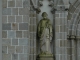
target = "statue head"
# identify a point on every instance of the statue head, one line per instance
(44, 15)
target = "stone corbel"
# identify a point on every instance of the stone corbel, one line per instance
(71, 37)
(35, 7)
(40, 3)
(51, 4)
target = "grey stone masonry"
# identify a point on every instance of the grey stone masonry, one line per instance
(6, 11)
(23, 26)
(4, 34)
(15, 29)
(11, 3)
(6, 26)
(14, 11)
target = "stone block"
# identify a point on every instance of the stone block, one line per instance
(35, 43)
(11, 3)
(31, 20)
(32, 43)
(57, 35)
(26, 34)
(26, 3)
(4, 49)
(31, 57)
(18, 34)
(4, 19)
(4, 34)
(14, 11)
(24, 11)
(57, 28)
(33, 51)
(34, 21)
(14, 41)
(11, 34)
(23, 56)
(31, 28)
(23, 41)
(11, 19)
(34, 35)
(14, 26)
(57, 21)
(6, 42)
(57, 15)
(14, 56)
(26, 18)
(6, 56)
(4, 3)
(23, 26)
(18, 19)
(6, 26)
(31, 36)
(68, 51)
(11, 49)
(19, 49)
(19, 3)
(26, 49)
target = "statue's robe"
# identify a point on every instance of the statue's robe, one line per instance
(45, 35)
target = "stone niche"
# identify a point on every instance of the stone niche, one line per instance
(45, 6)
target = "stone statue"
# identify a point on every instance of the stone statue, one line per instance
(45, 35)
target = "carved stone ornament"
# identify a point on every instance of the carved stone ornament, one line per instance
(40, 3)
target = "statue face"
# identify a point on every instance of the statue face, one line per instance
(44, 15)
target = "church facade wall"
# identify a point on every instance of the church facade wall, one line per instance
(19, 27)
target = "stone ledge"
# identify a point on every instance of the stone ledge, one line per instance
(45, 57)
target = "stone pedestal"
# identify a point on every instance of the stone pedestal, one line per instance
(45, 57)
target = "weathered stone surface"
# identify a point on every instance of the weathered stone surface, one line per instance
(14, 56)
(31, 36)
(31, 57)
(19, 49)
(14, 11)
(24, 11)
(6, 26)
(31, 43)
(18, 34)
(31, 20)
(18, 3)
(14, 26)
(31, 28)
(18, 19)
(4, 19)
(23, 42)
(4, 34)
(26, 34)
(23, 26)
(11, 3)
(26, 18)
(57, 28)
(14, 41)
(6, 11)
(11, 19)
(26, 3)
(6, 56)
(23, 56)
(6, 42)
(11, 34)
(4, 49)
(11, 49)
(26, 49)
(33, 50)
(4, 3)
